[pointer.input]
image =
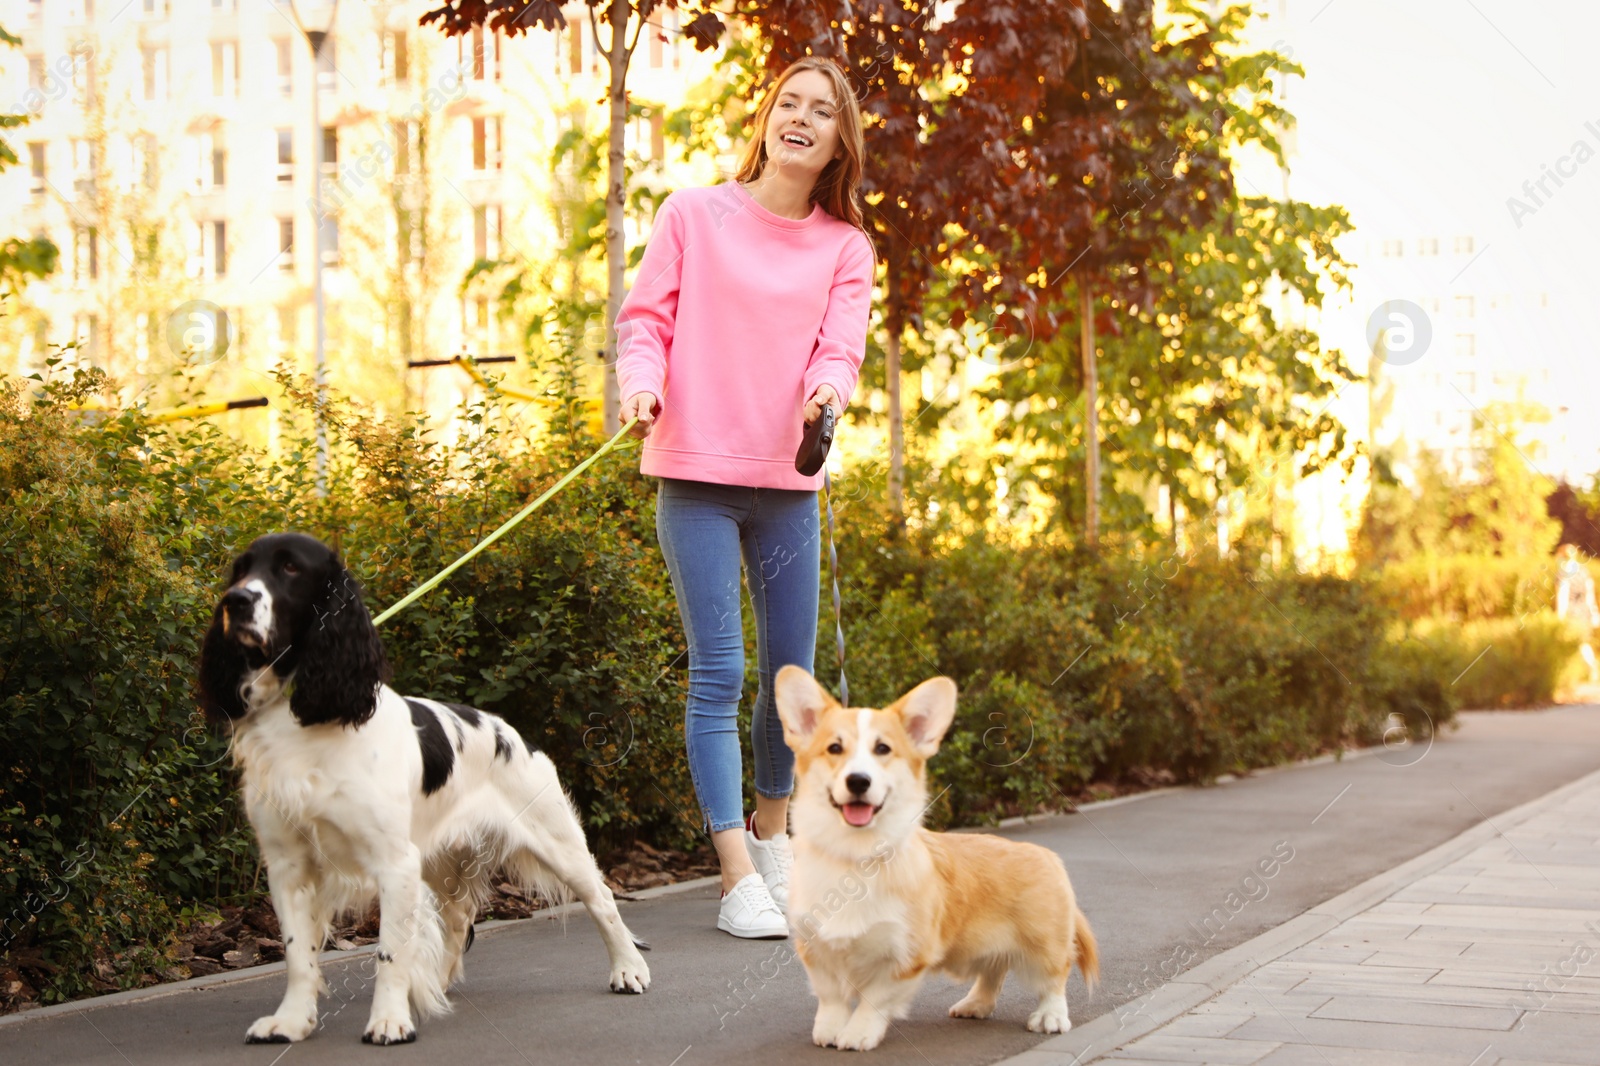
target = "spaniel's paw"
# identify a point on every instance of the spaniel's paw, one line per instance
(631, 976)
(384, 1031)
(277, 1029)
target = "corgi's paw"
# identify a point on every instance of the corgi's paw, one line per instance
(973, 1006)
(1050, 1017)
(278, 1029)
(385, 1031)
(862, 1033)
(830, 1020)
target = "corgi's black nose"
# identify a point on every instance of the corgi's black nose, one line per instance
(858, 784)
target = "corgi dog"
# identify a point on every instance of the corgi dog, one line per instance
(876, 901)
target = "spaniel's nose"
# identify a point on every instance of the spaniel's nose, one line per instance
(238, 598)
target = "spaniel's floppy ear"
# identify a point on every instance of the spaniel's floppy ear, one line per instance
(339, 658)
(222, 670)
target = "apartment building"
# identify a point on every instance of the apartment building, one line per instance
(171, 158)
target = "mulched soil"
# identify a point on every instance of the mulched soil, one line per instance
(249, 936)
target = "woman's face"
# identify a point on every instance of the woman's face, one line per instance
(803, 128)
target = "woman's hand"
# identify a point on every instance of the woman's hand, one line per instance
(823, 395)
(641, 405)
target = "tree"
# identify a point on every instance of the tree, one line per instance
(942, 97)
(1132, 148)
(1493, 506)
(514, 17)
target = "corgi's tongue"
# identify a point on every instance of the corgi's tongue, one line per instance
(857, 814)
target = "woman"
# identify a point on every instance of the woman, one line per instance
(748, 314)
(1575, 604)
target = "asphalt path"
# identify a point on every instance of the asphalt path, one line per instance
(1167, 881)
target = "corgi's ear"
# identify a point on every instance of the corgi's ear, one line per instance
(927, 711)
(801, 703)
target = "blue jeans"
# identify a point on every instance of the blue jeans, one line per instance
(704, 529)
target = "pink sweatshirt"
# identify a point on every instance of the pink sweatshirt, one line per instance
(735, 317)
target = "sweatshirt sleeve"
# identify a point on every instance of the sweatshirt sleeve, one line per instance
(649, 312)
(842, 343)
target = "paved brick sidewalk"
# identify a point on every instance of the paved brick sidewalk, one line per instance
(1485, 951)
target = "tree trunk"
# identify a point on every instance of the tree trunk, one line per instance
(616, 180)
(1091, 416)
(891, 383)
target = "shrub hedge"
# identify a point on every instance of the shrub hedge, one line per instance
(117, 807)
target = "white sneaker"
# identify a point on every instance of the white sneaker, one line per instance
(748, 911)
(773, 858)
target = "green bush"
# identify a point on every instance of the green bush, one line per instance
(117, 807)
(1074, 668)
(1504, 662)
(1471, 587)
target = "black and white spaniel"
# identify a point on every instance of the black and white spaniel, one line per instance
(357, 792)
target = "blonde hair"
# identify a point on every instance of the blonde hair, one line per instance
(838, 186)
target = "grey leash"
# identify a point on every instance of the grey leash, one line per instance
(833, 566)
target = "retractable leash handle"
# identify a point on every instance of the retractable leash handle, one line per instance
(815, 441)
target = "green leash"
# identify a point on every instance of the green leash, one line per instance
(510, 524)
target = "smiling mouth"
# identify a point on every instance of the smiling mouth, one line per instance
(796, 140)
(857, 814)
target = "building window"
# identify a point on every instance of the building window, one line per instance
(1394, 249)
(285, 155)
(1466, 306)
(225, 5)
(286, 245)
(35, 10)
(675, 31)
(330, 151)
(1428, 246)
(36, 161)
(479, 56)
(85, 253)
(327, 72)
(219, 165)
(209, 252)
(85, 165)
(395, 58)
(657, 45)
(285, 67)
(145, 154)
(1467, 381)
(153, 8)
(329, 228)
(1466, 345)
(82, 77)
(658, 136)
(224, 68)
(577, 47)
(486, 231)
(1465, 245)
(406, 134)
(154, 61)
(486, 143)
(288, 331)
